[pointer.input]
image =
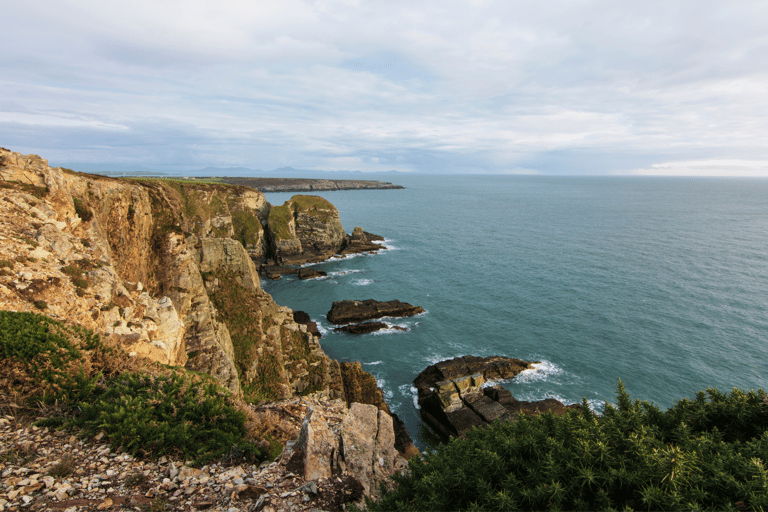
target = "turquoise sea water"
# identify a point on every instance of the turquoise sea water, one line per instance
(660, 282)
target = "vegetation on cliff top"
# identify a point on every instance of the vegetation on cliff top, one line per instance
(146, 410)
(279, 220)
(701, 454)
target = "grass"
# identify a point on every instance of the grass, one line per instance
(279, 222)
(63, 468)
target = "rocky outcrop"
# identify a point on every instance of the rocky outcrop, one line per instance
(351, 311)
(357, 442)
(310, 273)
(455, 396)
(305, 229)
(361, 241)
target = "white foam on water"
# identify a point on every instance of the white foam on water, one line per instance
(388, 393)
(540, 371)
(410, 391)
(363, 282)
(323, 330)
(345, 272)
(389, 330)
(374, 362)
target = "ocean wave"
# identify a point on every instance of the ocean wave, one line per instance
(343, 272)
(388, 393)
(410, 391)
(363, 282)
(540, 371)
(374, 363)
(391, 329)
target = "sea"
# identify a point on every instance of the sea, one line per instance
(659, 282)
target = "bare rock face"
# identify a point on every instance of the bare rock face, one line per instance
(351, 311)
(305, 229)
(454, 397)
(358, 441)
(361, 241)
(226, 255)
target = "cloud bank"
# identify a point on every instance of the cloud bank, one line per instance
(564, 87)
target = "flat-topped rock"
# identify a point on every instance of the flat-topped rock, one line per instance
(353, 311)
(455, 396)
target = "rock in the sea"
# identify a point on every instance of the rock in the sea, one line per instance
(353, 311)
(305, 229)
(453, 398)
(361, 241)
(367, 327)
(311, 273)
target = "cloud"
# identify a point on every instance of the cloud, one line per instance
(713, 168)
(585, 86)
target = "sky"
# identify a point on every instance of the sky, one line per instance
(562, 87)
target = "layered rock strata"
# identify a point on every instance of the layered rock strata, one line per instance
(455, 395)
(355, 311)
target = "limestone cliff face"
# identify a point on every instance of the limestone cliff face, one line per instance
(305, 229)
(139, 261)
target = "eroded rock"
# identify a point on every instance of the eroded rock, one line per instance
(454, 395)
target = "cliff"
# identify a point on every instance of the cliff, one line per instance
(168, 271)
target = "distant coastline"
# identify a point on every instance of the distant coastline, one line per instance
(306, 184)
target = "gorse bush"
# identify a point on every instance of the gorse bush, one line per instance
(173, 412)
(707, 453)
(156, 415)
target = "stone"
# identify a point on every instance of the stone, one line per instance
(311, 273)
(454, 396)
(353, 311)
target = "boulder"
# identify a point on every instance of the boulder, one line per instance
(358, 442)
(310, 273)
(454, 395)
(355, 311)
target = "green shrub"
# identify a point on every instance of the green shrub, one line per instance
(707, 453)
(177, 415)
(40, 304)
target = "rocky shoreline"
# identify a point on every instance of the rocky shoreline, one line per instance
(457, 395)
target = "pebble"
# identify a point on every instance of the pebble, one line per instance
(99, 478)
